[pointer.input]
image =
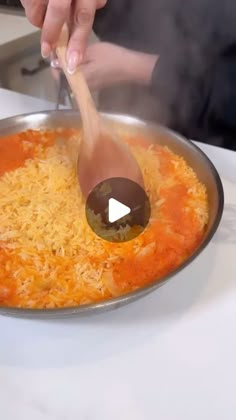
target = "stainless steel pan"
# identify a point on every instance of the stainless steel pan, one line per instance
(193, 155)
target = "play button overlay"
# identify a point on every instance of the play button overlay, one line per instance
(118, 210)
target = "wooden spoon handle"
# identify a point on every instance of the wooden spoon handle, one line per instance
(79, 87)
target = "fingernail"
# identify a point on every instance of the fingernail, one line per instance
(45, 50)
(73, 62)
(55, 63)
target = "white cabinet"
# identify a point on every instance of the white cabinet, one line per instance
(25, 74)
(19, 49)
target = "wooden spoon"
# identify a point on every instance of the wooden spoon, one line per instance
(102, 154)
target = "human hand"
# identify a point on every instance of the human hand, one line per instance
(50, 15)
(108, 64)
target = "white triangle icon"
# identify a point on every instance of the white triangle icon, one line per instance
(117, 210)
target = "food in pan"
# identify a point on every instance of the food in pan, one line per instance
(49, 256)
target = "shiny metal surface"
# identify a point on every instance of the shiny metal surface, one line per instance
(193, 155)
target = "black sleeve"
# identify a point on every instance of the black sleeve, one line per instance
(193, 42)
(182, 78)
(189, 37)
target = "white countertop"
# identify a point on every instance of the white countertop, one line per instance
(169, 356)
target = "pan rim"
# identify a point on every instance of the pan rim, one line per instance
(101, 306)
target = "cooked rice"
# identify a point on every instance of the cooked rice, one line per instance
(50, 258)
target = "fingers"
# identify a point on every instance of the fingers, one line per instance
(52, 14)
(35, 11)
(56, 15)
(82, 23)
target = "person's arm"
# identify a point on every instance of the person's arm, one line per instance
(139, 67)
(108, 64)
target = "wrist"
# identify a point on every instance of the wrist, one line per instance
(139, 67)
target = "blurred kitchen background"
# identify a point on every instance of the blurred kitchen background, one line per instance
(22, 68)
